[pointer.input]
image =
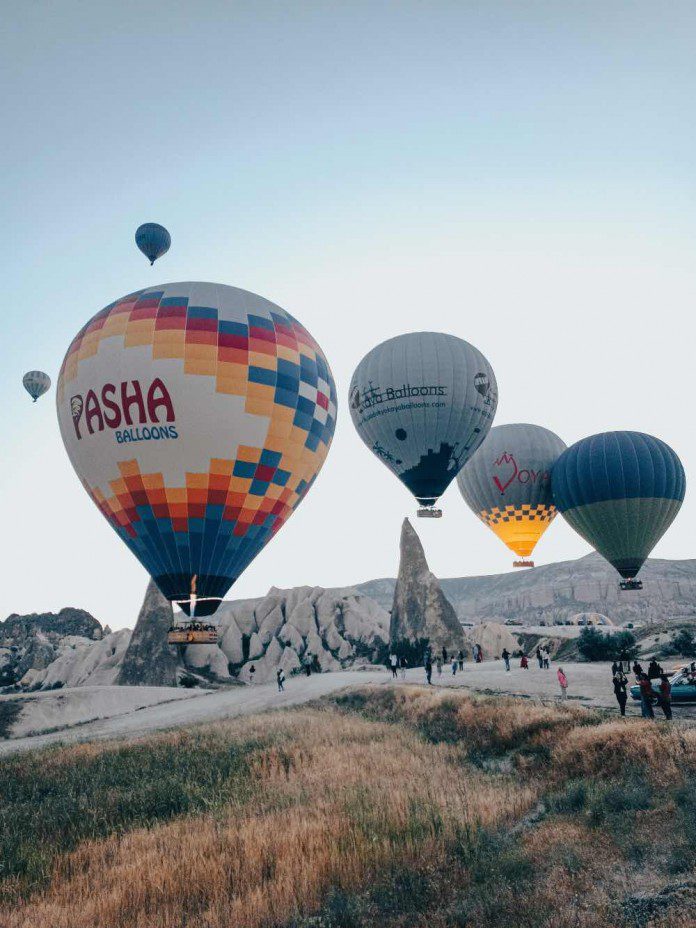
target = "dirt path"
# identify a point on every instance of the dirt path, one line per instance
(129, 712)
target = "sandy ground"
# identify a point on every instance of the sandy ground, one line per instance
(94, 713)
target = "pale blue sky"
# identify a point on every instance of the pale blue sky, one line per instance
(519, 174)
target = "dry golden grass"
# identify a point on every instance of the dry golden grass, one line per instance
(340, 798)
(346, 797)
(664, 753)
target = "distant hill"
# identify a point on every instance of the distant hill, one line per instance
(558, 591)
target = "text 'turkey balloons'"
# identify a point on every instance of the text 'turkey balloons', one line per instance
(153, 240)
(197, 417)
(423, 403)
(507, 483)
(621, 491)
(36, 383)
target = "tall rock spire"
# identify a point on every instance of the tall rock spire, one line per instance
(149, 660)
(420, 608)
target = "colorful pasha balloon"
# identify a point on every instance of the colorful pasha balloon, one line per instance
(507, 483)
(621, 491)
(423, 403)
(197, 417)
(153, 240)
(36, 383)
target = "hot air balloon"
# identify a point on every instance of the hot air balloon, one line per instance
(36, 383)
(197, 417)
(507, 483)
(621, 491)
(423, 403)
(153, 240)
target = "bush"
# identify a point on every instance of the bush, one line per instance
(683, 643)
(595, 645)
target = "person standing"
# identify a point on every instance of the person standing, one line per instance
(404, 665)
(460, 658)
(454, 665)
(545, 657)
(429, 670)
(280, 677)
(665, 698)
(444, 654)
(393, 663)
(524, 663)
(438, 664)
(506, 657)
(540, 659)
(637, 669)
(562, 682)
(646, 697)
(620, 684)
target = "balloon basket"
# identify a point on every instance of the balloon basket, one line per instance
(631, 585)
(193, 633)
(429, 512)
(523, 563)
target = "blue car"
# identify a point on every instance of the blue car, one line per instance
(683, 687)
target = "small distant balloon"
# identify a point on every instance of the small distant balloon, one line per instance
(153, 240)
(36, 383)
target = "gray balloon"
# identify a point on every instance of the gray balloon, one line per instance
(507, 483)
(36, 383)
(423, 403)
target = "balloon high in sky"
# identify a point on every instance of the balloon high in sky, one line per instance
(36, 383)
(507, 483)
(197, 417)
(153, 240)
(621, 491)
(423, 403)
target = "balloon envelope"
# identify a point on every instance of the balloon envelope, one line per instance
(621, 491)
(36, 383)
(423, 403)
(153, 240)
(197, 417)
(507, 483)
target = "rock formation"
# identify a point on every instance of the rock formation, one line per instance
(80, 661)
(420, 608)
(149, 660)
(328, 629)
(556, 592)
(17, 630)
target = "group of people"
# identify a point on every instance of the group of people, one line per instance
(544, 660)
(455, 661)
(542, 655)
(650, 694)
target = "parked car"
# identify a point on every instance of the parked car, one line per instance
(683, 688)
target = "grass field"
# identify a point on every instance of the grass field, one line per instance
(381, 806)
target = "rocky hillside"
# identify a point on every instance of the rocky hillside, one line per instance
(559, 591)
(325, 629)
(328, 629)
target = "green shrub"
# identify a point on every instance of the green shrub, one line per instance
(595, 645)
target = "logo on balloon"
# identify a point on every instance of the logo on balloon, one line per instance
(483, 386)
(126, 405)
(526, 475)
